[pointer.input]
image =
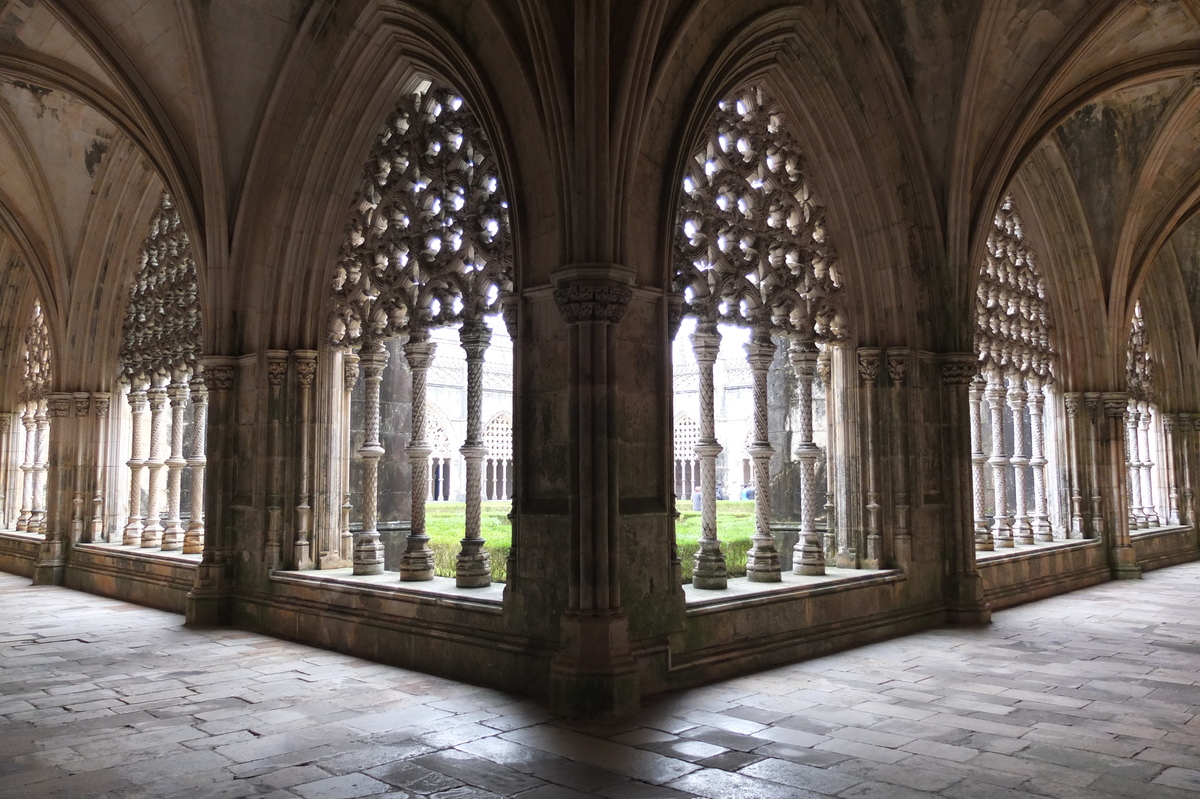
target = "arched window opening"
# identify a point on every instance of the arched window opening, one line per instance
(752, 255)
(427, 248)
(441, 460)
(1143, 432)
(167, 398)
(1016, 375)
(497, 437)
(33, 433)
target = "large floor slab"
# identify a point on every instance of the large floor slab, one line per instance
(1093, 694)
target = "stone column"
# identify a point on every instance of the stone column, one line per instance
(368, 549)
(897, 364)
(57, 500)
(473, 568)
(762, 561)
(1037, 461)
(172, 538)
(808, 556)
(825, 371)
(1001, 524)
(28, 412)
(417, 562)
(708, 571)
(1137, 517)
(208, 602)
(965, 602)
(1022, 530)
(1187, 424)
(138, 405)
(193, 539)
(868, 372)
(306, 373)
(350, 369)
(156, 463)
(5, 433)
(594, 671)
(1149, 506)
(983, 536)
(1122, 558)
(1171, 466)
(101, 402)
(277, 368)
(1076, 420)
(85, 451)
(37, 514)
(1092, 401)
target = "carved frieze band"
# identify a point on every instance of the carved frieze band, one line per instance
(583, 302)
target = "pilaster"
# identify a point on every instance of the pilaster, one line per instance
(1115, 474)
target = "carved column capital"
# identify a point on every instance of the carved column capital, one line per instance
(1116, 403)
(83, 404)
(219, 373)
(1091, 401)
(706, 343)
(897, 365)
(868, 364)
(959, 369)
(349, 370)
(1074, 404)
(58, 405)
(5, 423)
(593, 292)
(277, 364)
(101, 402)
(306, 367)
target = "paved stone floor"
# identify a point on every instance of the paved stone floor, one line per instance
(1091, 694)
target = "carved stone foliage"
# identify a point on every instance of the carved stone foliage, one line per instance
(751, 244)
(1138, 364)
(35, 360)
(1012, 314)
(428, 243)
(162, 333)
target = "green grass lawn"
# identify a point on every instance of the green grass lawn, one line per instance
(444, 523)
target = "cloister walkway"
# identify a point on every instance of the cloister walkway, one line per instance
(1092, 694)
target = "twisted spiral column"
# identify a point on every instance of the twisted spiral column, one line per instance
(709, 571)
(153, 529)
(137, 462)
(37, 514)
(417, 562)
(808, 556)
(30, 424)
(1022, 530)
(983, 536)
(1037, 461)
(762, 562)
(368, 549)
(1001, 522)
(473, 568)
(193, 539)
(172, 538)
(1149, 509)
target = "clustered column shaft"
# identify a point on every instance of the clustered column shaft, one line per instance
(302, 553)
(1022, 530)
(37, 513)
(1137, 516)
(868, 370)
(350, 368)
(1001, 524)
(709, 571)
(152, 530)
(1037, 462)
(1149, 506)
(983, 536)
(30, 424)
(473, 567)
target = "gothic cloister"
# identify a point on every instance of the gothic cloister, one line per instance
(919, 282)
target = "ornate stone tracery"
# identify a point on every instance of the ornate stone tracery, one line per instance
(1016, 362)
(1139, 421)
(751, 249)
(161, 344)
(428, 244)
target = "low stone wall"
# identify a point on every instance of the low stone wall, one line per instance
(19, 552)
(1165, 546)
(158, 580)
(1015, 576)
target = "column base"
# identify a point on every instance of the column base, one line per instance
(416, 564)
(368, 554)
(762, 563)
(965, 602)
(473, 567)
(594, 676)
(151, 538)
(302, 555)
(708, 567)
(846, 559)
(1124, 564)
